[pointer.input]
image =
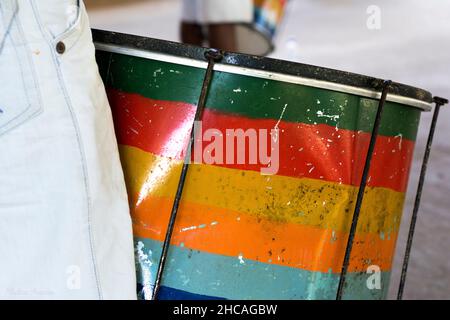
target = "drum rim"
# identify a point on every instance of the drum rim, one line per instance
(341, 81)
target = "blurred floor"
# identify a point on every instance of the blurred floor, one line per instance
(412, 46)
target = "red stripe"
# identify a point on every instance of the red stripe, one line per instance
(312, 151)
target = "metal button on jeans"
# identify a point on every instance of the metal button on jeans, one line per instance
(60, 47)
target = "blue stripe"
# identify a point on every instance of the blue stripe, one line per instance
(212, 275)
(166, 293)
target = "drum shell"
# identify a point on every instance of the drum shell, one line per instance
(240, 234)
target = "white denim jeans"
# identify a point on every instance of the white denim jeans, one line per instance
(65, 229)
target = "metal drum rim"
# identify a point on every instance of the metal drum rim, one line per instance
(261, 67)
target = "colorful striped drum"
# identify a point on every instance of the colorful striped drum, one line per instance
(257, 37)
(241, 233)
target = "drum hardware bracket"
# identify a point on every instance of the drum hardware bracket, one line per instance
(439, 102)
(362, 188)
(212, 56)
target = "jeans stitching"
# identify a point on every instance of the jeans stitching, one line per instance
(81, 147)
(6, 24)
(23, 114)
(65, 34)
(79, 22)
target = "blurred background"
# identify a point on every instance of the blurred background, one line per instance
(409, 43)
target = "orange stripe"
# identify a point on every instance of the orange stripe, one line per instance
(230, 233)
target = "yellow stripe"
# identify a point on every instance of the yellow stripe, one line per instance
(275, 198)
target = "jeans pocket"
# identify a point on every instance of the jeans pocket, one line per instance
(61, 19)
(19, 95)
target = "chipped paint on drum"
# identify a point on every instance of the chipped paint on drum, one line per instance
(241, 235)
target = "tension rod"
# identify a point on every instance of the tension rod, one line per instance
(212, 56)
(362, 188)
(439, 103)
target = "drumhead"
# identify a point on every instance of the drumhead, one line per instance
(262, 67)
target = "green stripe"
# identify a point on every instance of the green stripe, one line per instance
(255, 97)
